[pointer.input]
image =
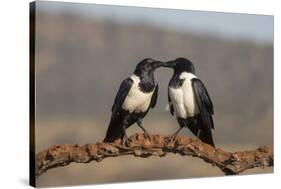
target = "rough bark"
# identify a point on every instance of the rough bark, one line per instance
(139, 146)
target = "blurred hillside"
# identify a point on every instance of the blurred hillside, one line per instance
(80, 63)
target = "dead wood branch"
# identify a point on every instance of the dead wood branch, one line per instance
(139, 146)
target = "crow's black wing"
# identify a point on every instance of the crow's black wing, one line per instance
(171, 107)
(115, 128)
(206, 109)
(121, 95)
(203, 100)
(154, 97)
(203, 95)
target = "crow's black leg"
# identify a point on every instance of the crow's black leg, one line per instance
(173, 135)
(125, 136)
(181, 124)
(177, 131)
(146, 134)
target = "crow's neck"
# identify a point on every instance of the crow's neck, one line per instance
(147, 82)
(176, 81)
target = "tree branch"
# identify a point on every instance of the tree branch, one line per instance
(139, 146)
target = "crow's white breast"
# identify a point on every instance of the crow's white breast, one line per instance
(136, 100)
(183, 98)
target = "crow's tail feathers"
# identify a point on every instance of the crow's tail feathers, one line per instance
(206, 126)
(206, 137)
(114, 131)
(203, 132)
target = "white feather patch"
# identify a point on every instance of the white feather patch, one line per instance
(136, 100)
(183, 98)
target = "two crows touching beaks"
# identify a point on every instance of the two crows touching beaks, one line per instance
(188, 100)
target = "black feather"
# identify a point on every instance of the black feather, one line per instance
(121, 95)
(171, 107)
(115, 128)
(154, 97)
(205, 106)
(121, 117)
(203, 100)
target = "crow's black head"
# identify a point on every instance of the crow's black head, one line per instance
(147, 65)
(180, 65)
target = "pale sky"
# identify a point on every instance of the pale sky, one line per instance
(257, 28)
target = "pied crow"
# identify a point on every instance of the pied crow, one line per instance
(136, 95)
(189, 100)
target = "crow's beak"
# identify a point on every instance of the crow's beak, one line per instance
(157, 64)
(169, 64)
